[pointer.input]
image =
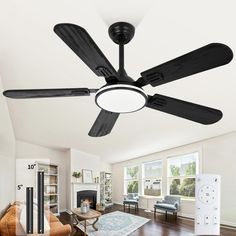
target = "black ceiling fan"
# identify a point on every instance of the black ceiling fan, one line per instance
(121, 94)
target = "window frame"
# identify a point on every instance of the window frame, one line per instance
(165, 183)
(182, 177)
(127, 180)
(153, 178)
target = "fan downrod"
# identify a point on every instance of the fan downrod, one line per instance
(121, 32)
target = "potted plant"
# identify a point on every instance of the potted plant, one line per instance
(76, 174)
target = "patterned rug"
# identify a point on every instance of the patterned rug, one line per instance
(116, 223)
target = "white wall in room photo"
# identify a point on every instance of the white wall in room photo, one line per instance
(81, 160)
(7, 155)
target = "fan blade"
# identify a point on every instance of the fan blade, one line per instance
(47, 93)
(103, 124)
(187, 110)
(202, 59)
(81, 43)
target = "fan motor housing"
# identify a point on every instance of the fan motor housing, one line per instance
(121, 32)
(121, 98)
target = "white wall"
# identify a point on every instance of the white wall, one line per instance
(7, 155)
(35, 152)
(81, 160)
(217, 156)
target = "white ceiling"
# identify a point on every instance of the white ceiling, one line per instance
(32, 56)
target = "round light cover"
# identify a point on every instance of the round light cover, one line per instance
(121, 98)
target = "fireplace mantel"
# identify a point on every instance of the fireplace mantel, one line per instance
(76, 186)
(80, 183)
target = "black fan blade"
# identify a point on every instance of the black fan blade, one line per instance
(103, 124)
(187, 110)
(202, 59)
(81, 43)
(47, 93)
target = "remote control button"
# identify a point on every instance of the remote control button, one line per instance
(198, 219)
(215, 220)
(207, 220)
(206, 194)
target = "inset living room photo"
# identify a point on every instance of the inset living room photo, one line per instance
(117, 118)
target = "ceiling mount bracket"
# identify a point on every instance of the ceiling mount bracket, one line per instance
(121, 32)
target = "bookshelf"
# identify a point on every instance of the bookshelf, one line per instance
(106, 188)
(51, 185)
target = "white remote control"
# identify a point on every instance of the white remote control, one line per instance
(207, 211)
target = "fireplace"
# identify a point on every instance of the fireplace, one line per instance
(87, 195)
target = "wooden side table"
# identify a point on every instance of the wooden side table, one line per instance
(83, 217)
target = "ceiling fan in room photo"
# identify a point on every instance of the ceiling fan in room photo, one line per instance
(122, 94)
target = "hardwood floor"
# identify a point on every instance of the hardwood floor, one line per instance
(155, 227)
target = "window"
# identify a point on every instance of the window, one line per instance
(131, 179)
(182, 172)
(152, 172)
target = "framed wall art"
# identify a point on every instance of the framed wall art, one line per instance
(87, 176)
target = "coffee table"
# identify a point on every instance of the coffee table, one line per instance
(83, 217)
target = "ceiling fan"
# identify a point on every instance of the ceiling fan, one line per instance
(121, 94)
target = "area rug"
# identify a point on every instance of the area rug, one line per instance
(116, 223)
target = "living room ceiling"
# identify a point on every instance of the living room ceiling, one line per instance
(32, 56)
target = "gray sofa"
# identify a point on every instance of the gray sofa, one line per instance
(131, 199)
(169, 204)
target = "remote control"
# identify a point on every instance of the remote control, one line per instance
(207, 212)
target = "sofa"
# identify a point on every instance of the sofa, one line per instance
(168, 204)
(10, 223)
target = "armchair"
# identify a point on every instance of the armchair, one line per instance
(131, 199)
(169, 204)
